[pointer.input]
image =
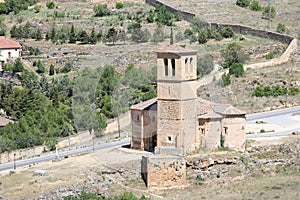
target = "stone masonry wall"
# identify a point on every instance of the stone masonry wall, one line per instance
(163, 171)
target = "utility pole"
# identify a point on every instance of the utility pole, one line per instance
(269, 17)
(15, 166)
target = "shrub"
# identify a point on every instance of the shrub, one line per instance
(265, 12)
(187, 33)
(67, 68)
(226, 32)
(202, 36)
(37, 8)
(226, 79)
(233, 54)
(236, 69)
(270, 55)
(243, 3)
(197, 24)
(50, 5)
(101, 10)
(119, 5)
(281, 28)
(255, 6)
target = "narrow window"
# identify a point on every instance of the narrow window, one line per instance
(9, 55)
(173, 66)
(225, 130)
(169, 138)
(166, 67)
(191, 66)
(138, 118)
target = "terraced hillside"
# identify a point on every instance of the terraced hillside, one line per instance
(225, 11)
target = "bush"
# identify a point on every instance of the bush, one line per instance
(274, 91)
(226, 79)
(187, 33)
(265, 12)
(281, 28)
(270, 55)
(101, 10)
(236, 69)
(50, 5)
(37, 8)
(255, 6)
(197, 24)
(202, 36)
(233, 54)
(243, 3)
(119, 5)
(67, 68)
(226, 32)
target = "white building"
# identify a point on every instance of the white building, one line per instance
(8, 49)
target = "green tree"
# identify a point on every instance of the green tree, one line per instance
(29, 80)
(72, 35)
(93, 37)
(111, 35)
(84, 37)
(51, 70)
(202, 36)
(18, 65)
(204, 65)
(233, 54)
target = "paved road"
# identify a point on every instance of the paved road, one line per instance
(53, 155)
(281, 117)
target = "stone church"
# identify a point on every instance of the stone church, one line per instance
(178, 122)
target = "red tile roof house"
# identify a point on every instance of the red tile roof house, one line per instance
(8, 49)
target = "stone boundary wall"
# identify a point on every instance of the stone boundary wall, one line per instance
(241, 29)
(163, 172)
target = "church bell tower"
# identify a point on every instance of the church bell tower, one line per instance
(176, 98)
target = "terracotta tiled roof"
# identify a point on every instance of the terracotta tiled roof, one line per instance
(177, 49)
(9, 44)
(4, 121)
(205, 108)
(208, 109)
(143, 105)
